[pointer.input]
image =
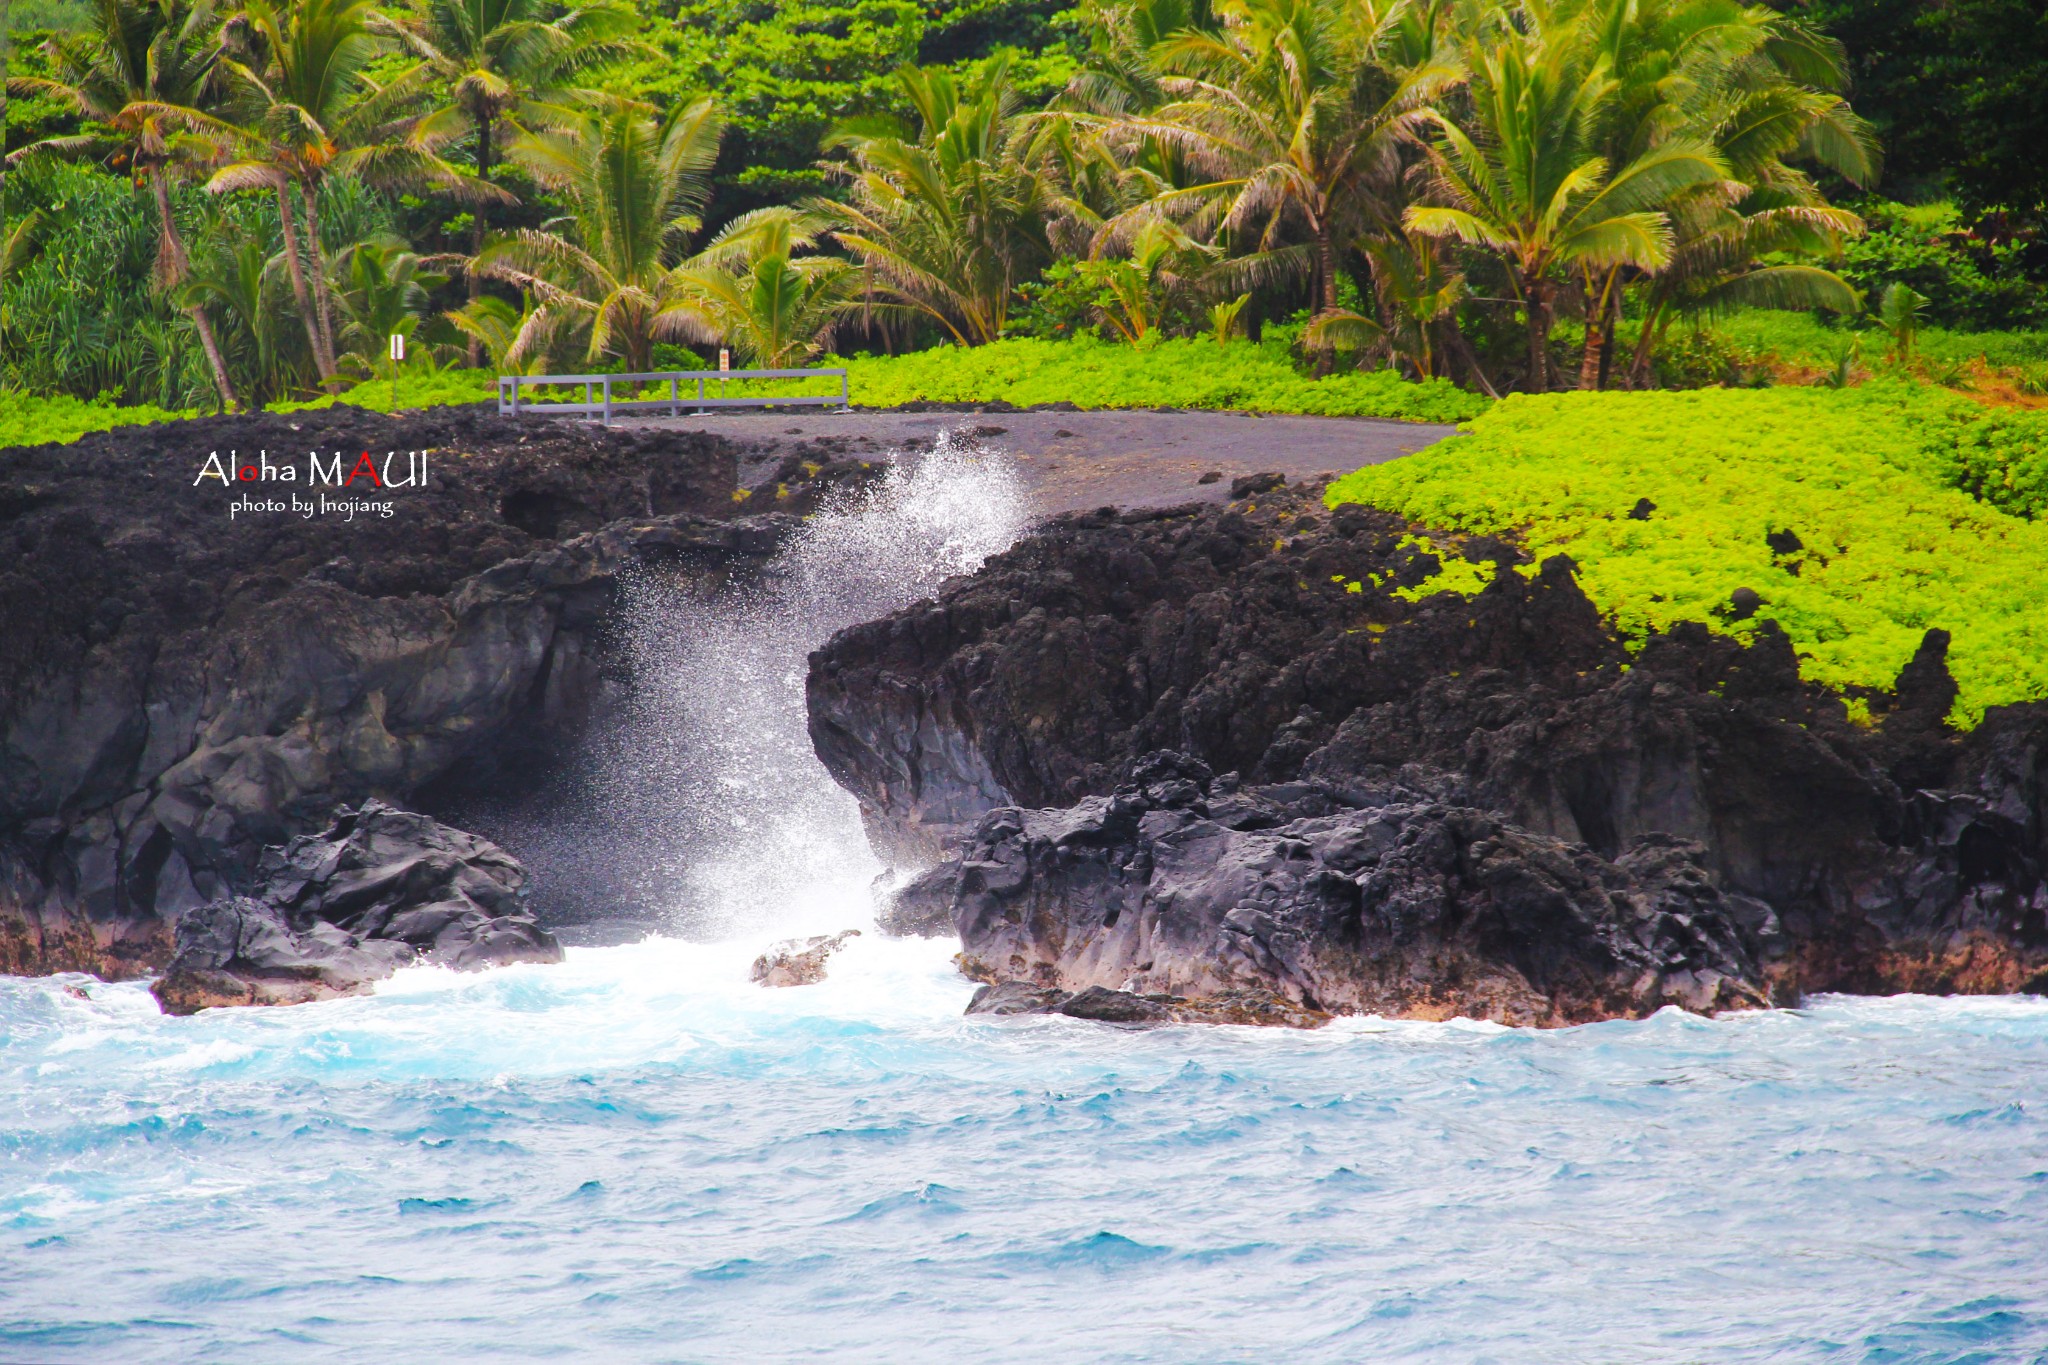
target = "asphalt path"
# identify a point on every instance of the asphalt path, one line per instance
(1077, 461)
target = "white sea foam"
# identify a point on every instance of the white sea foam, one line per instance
(705, 808)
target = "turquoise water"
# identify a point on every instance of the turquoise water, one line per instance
(639, 1156)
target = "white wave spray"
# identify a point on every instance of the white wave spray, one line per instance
(720, 819)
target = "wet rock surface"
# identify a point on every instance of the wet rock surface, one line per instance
(1429, 803)
(180, 689)
(799, 962)
(1103, 1005)
(329, 914)
(1407, 905)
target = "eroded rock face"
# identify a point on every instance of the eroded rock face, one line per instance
(1405, 906)
(332, 913)
(799, 962)
(1558, 830)
(1099, 1003)
(180, 690)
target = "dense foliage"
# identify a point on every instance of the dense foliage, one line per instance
(1531, 194)
(1969, 281)
(531, 181)
(1892, 495)
(787, 72)
(1958, 90)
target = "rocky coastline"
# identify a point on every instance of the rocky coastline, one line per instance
(181, 689)
(1203, 751)
(1244, 762)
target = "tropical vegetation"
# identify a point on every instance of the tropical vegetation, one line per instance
(1859, 518)
(1528, 195)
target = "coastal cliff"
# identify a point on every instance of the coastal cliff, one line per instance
(1412, 801)
(181, 688)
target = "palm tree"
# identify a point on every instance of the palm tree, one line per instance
(1141, 290)
(494, 326)
(750, 289)
(307, 108)
(1418, 291)
(1900, 313)
(1761, 89)
(1719, 265)
(145, 73)
(1293, 114)
(491, 59)
(233, 278)
(634, 182)
(953, 220)
(383, 293)
(1529, 182)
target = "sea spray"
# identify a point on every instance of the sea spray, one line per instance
(703, 808)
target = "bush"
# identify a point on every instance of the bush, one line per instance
(1866, 479)
(1699, 358)
(1800, 338)
(421, 389)
(1969, 281)
(29, 421)
(1058, 306)
(1183, 373)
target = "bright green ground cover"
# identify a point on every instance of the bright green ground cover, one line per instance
(416, 389)
(28, 421)
(1800, 337)
(1865, 477)
(1088, 373)
(1174, 373)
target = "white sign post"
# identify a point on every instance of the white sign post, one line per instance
(724, 367)
(397, 354)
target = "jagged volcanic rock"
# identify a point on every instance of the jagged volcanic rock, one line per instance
(1509, 737)
(1406, 905)
(330, 913)
(1013, 996)
(180, 689)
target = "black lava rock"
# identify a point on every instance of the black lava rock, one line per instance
(331, 913)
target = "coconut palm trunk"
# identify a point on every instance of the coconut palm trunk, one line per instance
(478, 228)
(323, 359)
(1596, 322)
(1646, 341)
(316, 258)
(1536, 307)
(176, 266)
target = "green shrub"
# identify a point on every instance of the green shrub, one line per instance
(1865, 478)
(1800, 338)
(1968, 281)
(2003, 460)
(1183, 373)
(1058, 306)
(422, 389)
(30, 421)
(1692, 358)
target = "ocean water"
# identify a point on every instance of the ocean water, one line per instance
(641, 1156)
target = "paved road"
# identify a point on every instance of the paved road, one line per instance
(1080, 460)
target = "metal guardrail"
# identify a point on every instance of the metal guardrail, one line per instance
(509, 386)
